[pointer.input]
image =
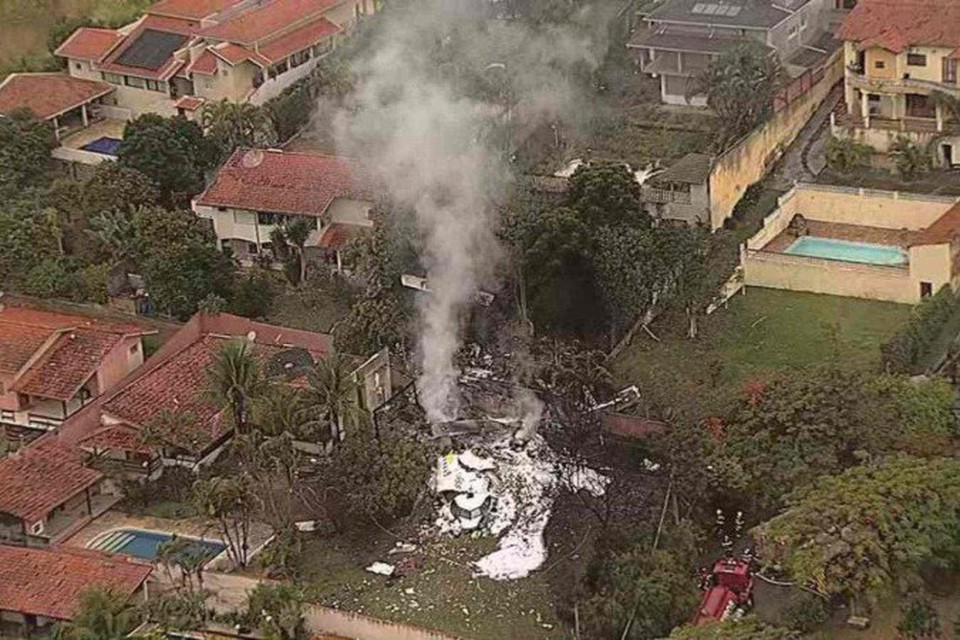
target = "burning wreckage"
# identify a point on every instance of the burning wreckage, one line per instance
(500, 477)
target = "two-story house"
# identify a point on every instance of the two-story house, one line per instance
(53, 364)
(179, 55)
(898, 55)
(678, 39)
(256, 190)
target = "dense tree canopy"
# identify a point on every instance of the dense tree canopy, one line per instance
(858, 532)
(171, 152)
(25, 145)
(740, 86)
(748, 628)
(179, 260)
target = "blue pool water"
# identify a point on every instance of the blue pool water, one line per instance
(848, 251)
(146, 544)
(106, 146)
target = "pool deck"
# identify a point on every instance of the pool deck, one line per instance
(107, 128)
(850, 232)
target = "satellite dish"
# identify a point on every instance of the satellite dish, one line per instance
(252, 158)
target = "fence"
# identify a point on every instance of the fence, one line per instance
(354, 625)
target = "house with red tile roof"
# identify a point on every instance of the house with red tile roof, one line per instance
(165, 415)
(49, 491)
(40, 587)
(182, 53)
(898, 54)
(52, 364)
(257, 190)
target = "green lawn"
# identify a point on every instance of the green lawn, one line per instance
(442, 594)
(761, 332)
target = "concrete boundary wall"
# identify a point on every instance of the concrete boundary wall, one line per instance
(354, 625)
(748, 161)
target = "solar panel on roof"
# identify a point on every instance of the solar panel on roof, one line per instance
(151, 49)
(711, 9)
(698, 8)
(734, 10)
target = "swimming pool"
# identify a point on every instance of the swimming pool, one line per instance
(847, 251)
(106, 146)
(146, 544)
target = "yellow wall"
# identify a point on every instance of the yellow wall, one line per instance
(799, 273)
(748, 161)
(930, 263)
(232, 83)
(883, 209)
(888, 59)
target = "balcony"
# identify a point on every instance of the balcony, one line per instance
(869, 84)
(901, 125)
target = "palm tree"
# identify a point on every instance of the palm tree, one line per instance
(229, 502)
(236, 378)
(103, 615)
(116, 230)
(282, 410)
(237, 124)
(334, 393)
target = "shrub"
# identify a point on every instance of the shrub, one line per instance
(902, 351)
(805, 612)
(918, 619)
(846, 156)
(912, 160)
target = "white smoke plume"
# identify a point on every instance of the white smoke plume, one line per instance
(424, 133)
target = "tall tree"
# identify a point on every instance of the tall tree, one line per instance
(103, 615)
(277, 610)
(607, 194)
(171, 152)
(740, 86)
(334, 393)
(115, 187)
(25, 145)
(179, 260)
(237, 124)
(230, 504)
(859, 532)
(236, 379)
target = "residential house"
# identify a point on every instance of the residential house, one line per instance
(678, 39)
(48, 493)
(898, 54)
(179, 55)
(52, 364)
(863, 243)
(41, 587)
(681, 192)
(165, 416)
(257, 190)
(182, 53)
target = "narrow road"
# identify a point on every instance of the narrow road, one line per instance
(805, 159)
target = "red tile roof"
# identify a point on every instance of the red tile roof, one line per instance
(206, 64)
(41, 477)
(285, 182)
(274, 16)
(298, 39)
(88, 43)
(48, 94)
(189, 103)
(337, 235)
(944, 230)
(118, 437)
(68, 364)
(897, 24)
(23, 331)
(234, 53)
(49, 581)
(190, 9)
(179, 384)
(149, 23)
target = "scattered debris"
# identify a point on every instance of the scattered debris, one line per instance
(381, 569)
(403, 547)
(570, 168)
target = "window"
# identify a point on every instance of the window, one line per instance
(221, 208)
(879, 64)
(156, 85)
(252, 248)
(225, 244)
(113, 78)
(37, 528)
(135, 349)
(793, 32)
(265, 217)
(926, 289)
(916, 60)
(135, 82)
(77, 65)
(950, 71)
(299, 58)
(322, 47)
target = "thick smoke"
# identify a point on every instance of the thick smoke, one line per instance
(432, 84)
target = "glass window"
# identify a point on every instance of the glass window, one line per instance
(916, 60)
(266, 217)
(156, 85)
(133, 81)
(880, 64)
(113, 78)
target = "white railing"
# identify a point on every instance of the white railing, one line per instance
(271, 88)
